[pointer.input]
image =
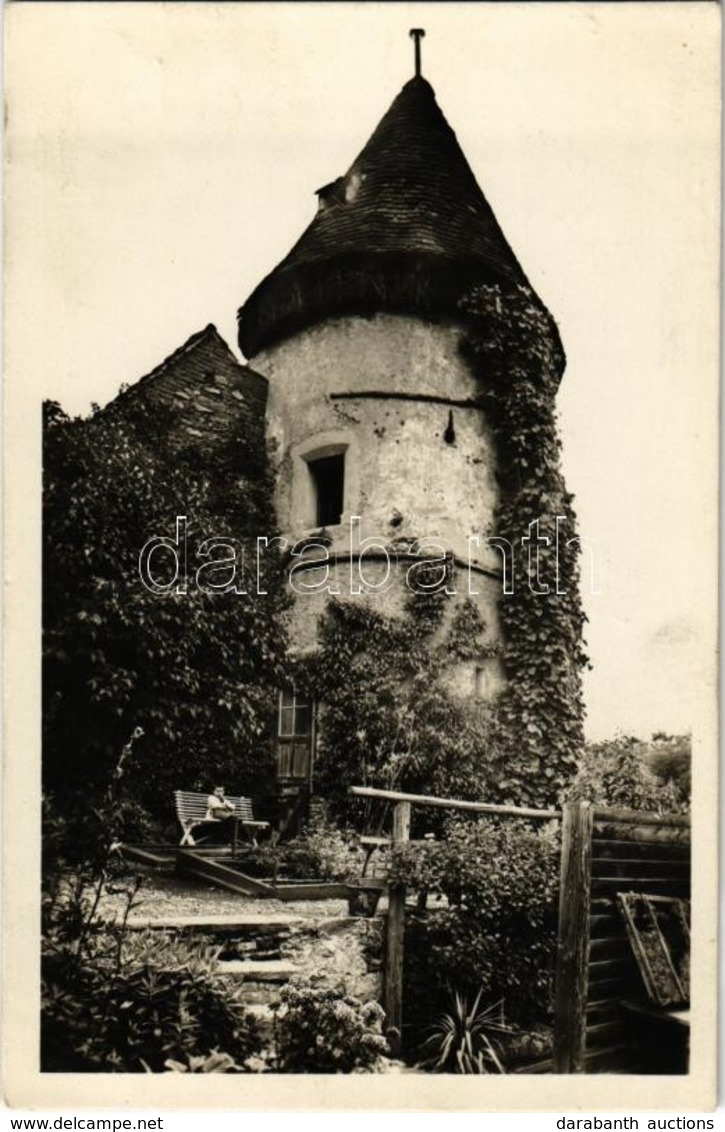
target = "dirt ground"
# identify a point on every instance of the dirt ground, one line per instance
(164, 894)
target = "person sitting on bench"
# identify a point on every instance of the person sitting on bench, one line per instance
(218, 808)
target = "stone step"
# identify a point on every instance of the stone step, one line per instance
(262, 947)
(260, 994)
(260, 924)
(259, 971)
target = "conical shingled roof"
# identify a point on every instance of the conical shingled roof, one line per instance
(405, 229)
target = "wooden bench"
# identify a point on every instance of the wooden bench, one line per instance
(191, 810)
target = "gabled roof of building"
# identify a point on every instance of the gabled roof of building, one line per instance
(409, 203)
(213, 395)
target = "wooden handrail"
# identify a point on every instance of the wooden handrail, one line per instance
(453, 803)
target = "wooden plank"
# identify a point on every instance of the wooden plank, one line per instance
(610, 968)
(191, 864)
(314, 890)
(603, 1033)
(639, 817)
(394, 938)
(614, 988)
(602, 909)
(672, 886)
(623, 831)
(637, 867)
(605, 922)
(629, 847)
(603, 1010)
(454, 804)
(611, 1059)
(149, 854)
(573, 938)
(608, 947)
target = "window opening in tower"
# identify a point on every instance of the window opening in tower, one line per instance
(328, 477)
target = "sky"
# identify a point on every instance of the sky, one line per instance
(162, 158)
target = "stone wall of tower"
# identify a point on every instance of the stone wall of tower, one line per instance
(395, 393)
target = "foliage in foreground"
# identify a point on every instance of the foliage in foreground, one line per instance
(498, 931)
(319, 1030)
(129, 1005)
(116, 1000)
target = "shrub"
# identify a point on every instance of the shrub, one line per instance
(628, 772)
(132, 1003)
(325, 1031)
(498, 931)
(198, 670)
(325, 853)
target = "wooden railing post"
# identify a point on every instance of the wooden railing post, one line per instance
(572, 952)
(394, 938)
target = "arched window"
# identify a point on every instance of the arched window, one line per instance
(324, 481)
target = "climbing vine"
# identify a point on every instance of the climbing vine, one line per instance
(513, 346)
(390, 717)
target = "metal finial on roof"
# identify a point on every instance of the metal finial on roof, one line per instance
(417, 34)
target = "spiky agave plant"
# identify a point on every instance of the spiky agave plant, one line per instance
(463, 1040)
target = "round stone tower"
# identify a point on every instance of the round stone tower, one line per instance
(385, 453)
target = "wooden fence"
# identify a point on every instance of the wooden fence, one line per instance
(402, 803)
(604, 851)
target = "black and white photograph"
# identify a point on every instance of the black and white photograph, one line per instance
(361, 584)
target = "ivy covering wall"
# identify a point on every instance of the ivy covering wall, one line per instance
(514, 349)
(388, 715)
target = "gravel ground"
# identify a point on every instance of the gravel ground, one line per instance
(165, 894)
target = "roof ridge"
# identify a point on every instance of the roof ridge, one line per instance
(209, 332)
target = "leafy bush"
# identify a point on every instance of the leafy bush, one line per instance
(498, 930)
(214, 1062)
(122, 1002)
(628, 772)
(324, 1031)
(327, 852)
(197, 670)
(323, 853)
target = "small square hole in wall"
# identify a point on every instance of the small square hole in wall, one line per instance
(328, 479)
